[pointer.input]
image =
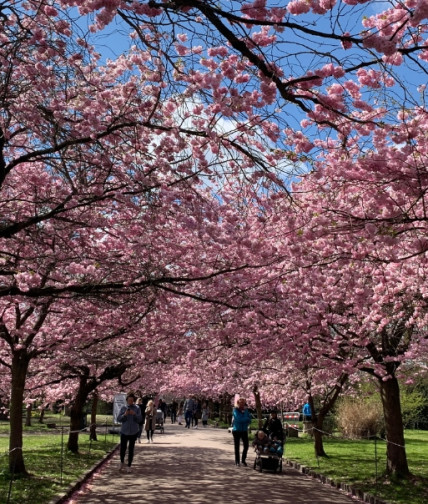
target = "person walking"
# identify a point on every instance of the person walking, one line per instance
(140, 430)
(180, 412)
(205, 414)
(173, 411)
(307, 412)
(162, 407)
(189, 407)
(197, 413)
(130, 417)
(241, 422)
(150, 420)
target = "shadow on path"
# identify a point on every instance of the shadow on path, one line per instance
(196, 466)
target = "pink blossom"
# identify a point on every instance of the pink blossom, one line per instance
(221, 51)
(346, 44)
(263, 38)
(182, 50)
(298, 7)
(50, 10)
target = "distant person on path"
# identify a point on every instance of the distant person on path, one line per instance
(273, 426)
(173, 411)
(197, 413)
(140, 405)
(307, 412)
(188, 408)
(180, 413)
(130, 417)
(205, 414)
(241, 422)
(162, 407)
(150, 421)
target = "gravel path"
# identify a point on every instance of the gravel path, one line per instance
(197, 466)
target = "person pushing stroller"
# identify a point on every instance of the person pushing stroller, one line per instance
(273, 427)
(268, 444)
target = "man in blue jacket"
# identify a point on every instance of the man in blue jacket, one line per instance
(307, 412)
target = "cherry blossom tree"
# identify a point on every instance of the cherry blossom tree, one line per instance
(207, 108)
(88, 180)
(96, 353)
(344, 306)
(369, 218)
(341, 299)
(63, 322)
(330, 60)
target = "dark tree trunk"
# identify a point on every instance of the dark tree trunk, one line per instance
(211, 407)
(396, 459)
(225, 410)
(76, 415)
(20, 362)
(398, 334)
(87, 384)
(93, 428)
(319, 417)
(28, 411)
(258, 403)
(317, 423)
(42, 415)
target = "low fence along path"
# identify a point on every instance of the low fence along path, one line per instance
(197, 466)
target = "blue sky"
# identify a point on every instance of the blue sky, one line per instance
(295, 52)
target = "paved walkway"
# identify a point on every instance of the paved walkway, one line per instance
(197, 466)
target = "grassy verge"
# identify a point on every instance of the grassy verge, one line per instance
(52, 468)
(358, 463)
(53, 418)
(362, 464)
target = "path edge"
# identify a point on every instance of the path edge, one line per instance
(349, 489)
(83, 479)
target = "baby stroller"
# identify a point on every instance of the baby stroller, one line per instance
(269, 454)
(159, 421)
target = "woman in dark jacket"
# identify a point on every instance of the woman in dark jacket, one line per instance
(150, 420)
(273, 426)
(130, 417)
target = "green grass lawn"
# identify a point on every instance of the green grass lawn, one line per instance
(362, 464)
(359, 463)
(52, 468)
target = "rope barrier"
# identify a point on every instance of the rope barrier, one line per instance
(375, 437)
(13, 449)
(64, 430)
